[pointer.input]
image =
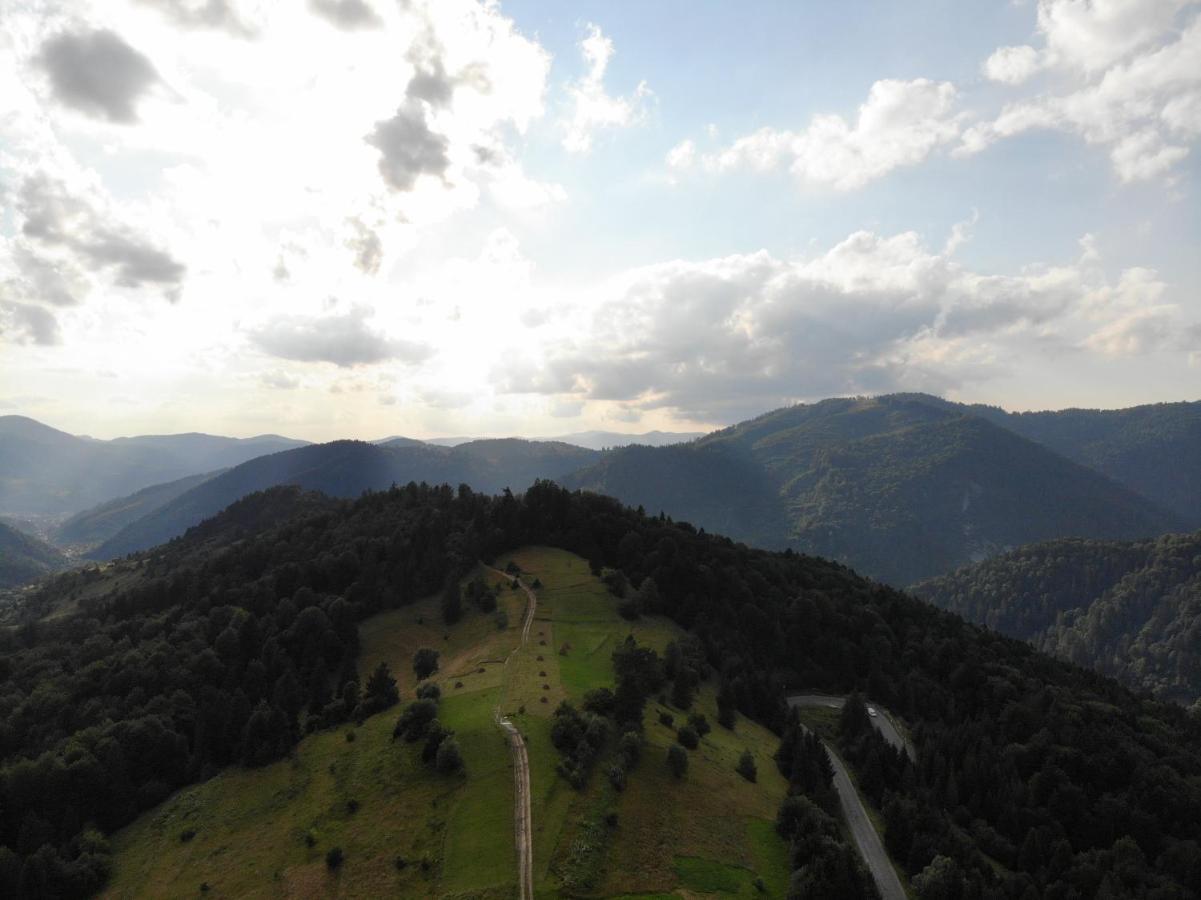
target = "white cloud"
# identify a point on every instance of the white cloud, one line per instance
(593, 108)
(1134, 84)
(899, 124)
(346, 340)
(1012, 65)
(722, 339)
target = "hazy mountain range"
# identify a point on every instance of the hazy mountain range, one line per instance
(901, 487)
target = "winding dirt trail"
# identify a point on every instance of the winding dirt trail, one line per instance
(523, 822)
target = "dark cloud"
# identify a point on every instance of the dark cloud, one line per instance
(97, 73)
(408, 148)
(57, 220)
(25, 323)
(216, 14)
(349, 15)
(367, 247)
(345, 340)
(57, 282)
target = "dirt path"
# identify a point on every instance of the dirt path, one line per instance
(523, 822)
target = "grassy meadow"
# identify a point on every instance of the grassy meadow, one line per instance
(415, 833)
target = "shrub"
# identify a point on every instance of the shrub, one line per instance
(502, 620)
(688, 737)
(429, 691)
(725, 718)
(666, 718)
(746, 766)
(310, 839)
(699, 724)
(631, 748)
(186, 835)
(334, 858)
(350, 737)
(352, 806)
(677, 760)
(415, 720)
(617, 777)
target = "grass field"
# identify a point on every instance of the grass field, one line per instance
(709, 834)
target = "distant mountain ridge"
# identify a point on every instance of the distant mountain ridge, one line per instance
(347, 469)
(44, 471)
(901, 487)
(1130, 609)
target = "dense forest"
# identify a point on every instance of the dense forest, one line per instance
(1130, 609)
(1033, 777)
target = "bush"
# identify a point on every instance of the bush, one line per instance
(352, 806)
(617, 777)
(449, 758)
(726, 717)
(699, 724)
(746, 766)
(677, 760)
(434, 737)
(429, 691)
(666, 718)
(502, 620)
(688, 737)
(334, 858)
(631, 748)
(350, 737)
(414, 722)
(186, 835)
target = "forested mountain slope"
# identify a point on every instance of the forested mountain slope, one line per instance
(900, 487)
(24, 558)
(1154, 449)
(346, 469)
(1129, 609)
(94, 526)
(1033, 777)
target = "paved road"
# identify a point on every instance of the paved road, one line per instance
(864, 833)
(523, 822)
(883, 722)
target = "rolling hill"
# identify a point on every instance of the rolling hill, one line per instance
(44, 471)
(347, 469)
(211, 719)
(24, 558)
(900, 487)
(1128, 609)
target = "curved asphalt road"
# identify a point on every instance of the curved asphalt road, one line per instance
(871, 848)
(523, 822)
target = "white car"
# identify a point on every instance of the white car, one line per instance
(871, 711)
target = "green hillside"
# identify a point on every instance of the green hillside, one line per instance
(252, 828)
(1130, 609)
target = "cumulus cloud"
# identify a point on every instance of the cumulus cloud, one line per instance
(408, 147)
(1134, 82)
(899, 124)
(217, 14)
(718, 340)
(25, 323)
(56, 220)
(345, 339)
(592, 107)
(97, 73)
(348, 15)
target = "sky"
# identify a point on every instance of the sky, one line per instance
(359, 218)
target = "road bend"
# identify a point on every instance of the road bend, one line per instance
(864, 833)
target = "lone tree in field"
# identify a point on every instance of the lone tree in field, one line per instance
(677, 760)
(746, 766)
(450, 758)
(381, 691)
(425, 662)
